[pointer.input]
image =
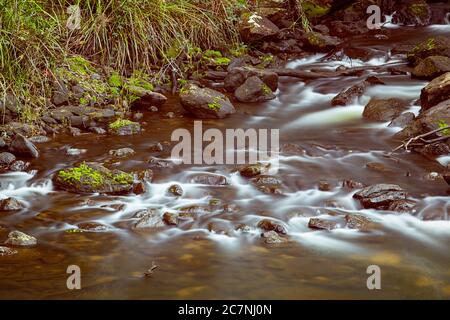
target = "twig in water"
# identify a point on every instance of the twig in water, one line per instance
(149, 272)
(421, 137)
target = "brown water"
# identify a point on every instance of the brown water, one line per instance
(412, 250)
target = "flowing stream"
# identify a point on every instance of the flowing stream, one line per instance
(333, 144)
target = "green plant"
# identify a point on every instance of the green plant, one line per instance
(443, 125)
(119, 123)
(215, 105)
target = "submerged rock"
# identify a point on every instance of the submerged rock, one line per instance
(5, 251)
(357, 221)
(436, 91)
(253, 170)
(11, 204)
(18, 238)
(384, 109)
(321, 224)
(23, 147)
(149, 218)
(211, 179)
(271, 237)
(380, 196)
(122, 152)
(92, 226)
(254, 90)
(91, 177)
(205, 103)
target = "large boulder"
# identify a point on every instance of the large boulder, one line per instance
(436, 91)
(23, 147)
(6, 158)
(205, 103)
(384, 109)
(412, 12)
(380, 196)
(92, 177)
(253, 27)
(254, 90)
(238, 75)
(320, 42)
(432, 67)
(435, 46)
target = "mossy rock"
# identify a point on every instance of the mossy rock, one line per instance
(91, 177)
(124, 127)
(435, 46)
(432, 67)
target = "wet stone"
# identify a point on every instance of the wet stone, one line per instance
(6, 158)
(92, 226)
(209, 179)
(402, 206)
(352, 184)
(271, 225)
(175, 190)
(149, 218)
(18, 238)
(324, 186)
(156, 147)
(357, 221)
(243, 228)
(253, 170)
(380, 196)
(19, 165)
(122, 152)
(321, 224)
(23, 147)
(271, 237)
(11, 204)
(170, 219)
(5, 251)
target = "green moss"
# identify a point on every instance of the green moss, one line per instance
(212, 54)
(119, 123)
(80, 65)
(266, 90)
(215, 105)
(419, 10)
(313, 10)
(442, 124)
(82, 173)
(122, 178)
(115, 80)
(221, 61)
(83, 101)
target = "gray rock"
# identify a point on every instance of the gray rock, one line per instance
(7, 158)
(380, 196)
(23, 147)
(271, 237)
(205, 103)
(238, 75)
(122, 152)
(321, 224)
(209, 179)
(11, 204)
(18, 238)
(254, 90)
(5, 251)
(149, 218)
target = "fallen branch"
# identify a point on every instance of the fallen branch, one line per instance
(422, 140)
